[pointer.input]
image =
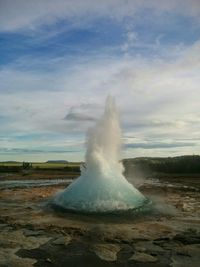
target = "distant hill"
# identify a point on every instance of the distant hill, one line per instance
(57, 161)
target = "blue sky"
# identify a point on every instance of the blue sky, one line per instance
(60, 59)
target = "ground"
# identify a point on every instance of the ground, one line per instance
(34, 234)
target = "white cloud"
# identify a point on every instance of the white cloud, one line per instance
(23, 14)
(159, 100)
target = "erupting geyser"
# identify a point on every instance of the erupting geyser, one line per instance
(102, 186)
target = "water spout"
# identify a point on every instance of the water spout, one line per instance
(102, 186)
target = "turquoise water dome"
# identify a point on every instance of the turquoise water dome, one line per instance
(102, 186)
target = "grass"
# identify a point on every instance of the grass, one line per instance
(41, 165)
(10, 164)
(44, 165)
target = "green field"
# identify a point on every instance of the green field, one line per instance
(42, 165)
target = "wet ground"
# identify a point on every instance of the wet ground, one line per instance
(33, 234)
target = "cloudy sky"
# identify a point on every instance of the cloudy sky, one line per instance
(59, 59)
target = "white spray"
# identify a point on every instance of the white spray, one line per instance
(104, 143)
(102, 186)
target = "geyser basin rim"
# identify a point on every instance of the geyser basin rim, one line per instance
(145, 208)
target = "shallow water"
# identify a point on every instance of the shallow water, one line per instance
(32, 183)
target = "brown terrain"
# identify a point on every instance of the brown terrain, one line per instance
(32, 233)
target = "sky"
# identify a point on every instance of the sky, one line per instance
(60, 59)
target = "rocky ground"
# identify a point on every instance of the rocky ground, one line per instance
(33, 234)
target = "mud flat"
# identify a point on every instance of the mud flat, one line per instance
(33, 234)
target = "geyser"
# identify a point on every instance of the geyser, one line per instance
(102, 186)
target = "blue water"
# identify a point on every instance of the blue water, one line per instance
(9, 184)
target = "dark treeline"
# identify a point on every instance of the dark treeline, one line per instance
(29, 167)
(182, 164)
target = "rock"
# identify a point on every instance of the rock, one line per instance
(143, 257)
(183, 206)
(140, 249)
(28, 232)
(6, 244)
(64, 240)
(9, 258)
(3, 225)
(107, 252)
(186, 207)
(188, 250)
(182, 251)
(188, 238)
(117, 234)
(186, 255)
(29, 208)
(170, 245)
(147, 246)
(16, 239)
(6, 227)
